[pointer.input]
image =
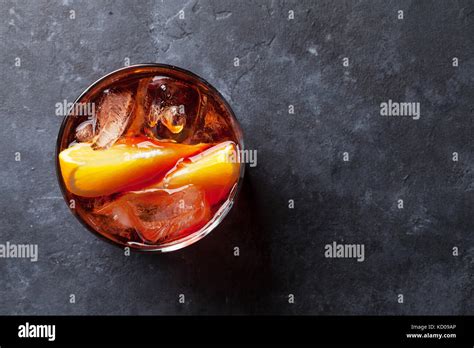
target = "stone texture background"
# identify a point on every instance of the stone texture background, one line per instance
(283, 62)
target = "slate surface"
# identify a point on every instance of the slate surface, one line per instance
(300, 156)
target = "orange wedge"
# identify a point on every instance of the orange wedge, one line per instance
(216, 170)
(91, 173)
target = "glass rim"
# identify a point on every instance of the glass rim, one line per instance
(186, 240)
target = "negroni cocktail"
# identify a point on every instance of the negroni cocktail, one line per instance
(156, 167)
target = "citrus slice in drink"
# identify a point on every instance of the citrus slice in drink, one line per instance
(122, 167)
(216, 170)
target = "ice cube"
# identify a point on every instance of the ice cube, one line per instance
(141, 109)
(174, 109)
(112, 117)
(85, 131)
(110, 224)
(213, 125)
(161, 214)
(169, 116)
(166, 214)
(100, 213)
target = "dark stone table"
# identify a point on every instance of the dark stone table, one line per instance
(291, 56)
